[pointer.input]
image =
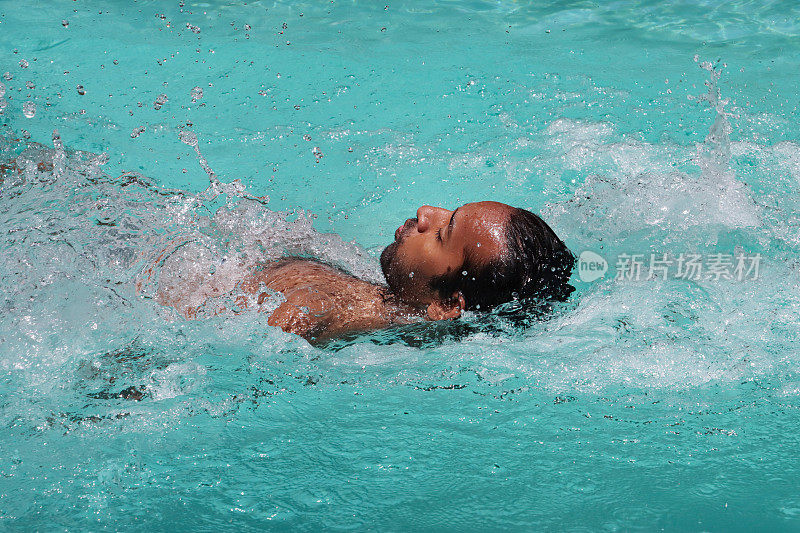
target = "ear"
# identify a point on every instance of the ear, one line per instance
(447, 309)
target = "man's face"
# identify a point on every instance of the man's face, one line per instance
(438, 241)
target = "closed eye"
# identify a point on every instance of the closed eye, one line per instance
(452, 220)
(439, 234)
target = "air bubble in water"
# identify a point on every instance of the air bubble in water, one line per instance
(30, 85)
(8, 76)
(23, 63)
(197, 94)
(2, 90)
(81, 90)
(306, 137)
(195, 29)
(3, 104)
(160, 101)
(29, 109)
(137, 131)
(65, 23)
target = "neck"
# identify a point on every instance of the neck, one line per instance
(397, 310)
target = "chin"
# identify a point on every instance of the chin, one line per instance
(387, 258)
(393, 270)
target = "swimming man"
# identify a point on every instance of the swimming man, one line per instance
(441, 263)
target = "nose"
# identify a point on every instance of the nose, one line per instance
(431, 217)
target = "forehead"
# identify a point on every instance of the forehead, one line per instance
(486, 213)
(482, 227)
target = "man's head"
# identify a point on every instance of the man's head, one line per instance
(476, 257)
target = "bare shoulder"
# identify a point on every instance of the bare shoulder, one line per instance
(322, 301)
(291, 273)
(306, 312)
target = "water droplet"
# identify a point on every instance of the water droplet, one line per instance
(3, 104)
(247, 27)
(8, 76)
(65, 23)
(81, 90)
(160, 101)
(23, 63)
(410, 274)
(188, 137)
(197, 94)
(463, 272)
(29, 109)
(30, 85)
(2, 90)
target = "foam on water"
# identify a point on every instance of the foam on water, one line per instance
(85, 256)
(100, 250)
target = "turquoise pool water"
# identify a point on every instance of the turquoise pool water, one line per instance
(632, 127)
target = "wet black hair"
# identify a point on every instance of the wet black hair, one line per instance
(536, 265)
